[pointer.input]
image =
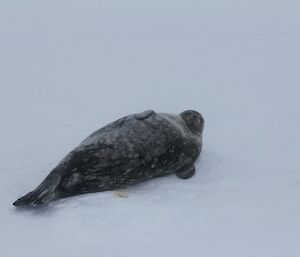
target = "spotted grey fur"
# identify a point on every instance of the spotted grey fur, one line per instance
(130, 150)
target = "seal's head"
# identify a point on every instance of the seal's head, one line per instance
(194, 120)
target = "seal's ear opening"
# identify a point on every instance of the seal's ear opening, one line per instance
(194, 120)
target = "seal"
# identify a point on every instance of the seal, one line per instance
(125, 152)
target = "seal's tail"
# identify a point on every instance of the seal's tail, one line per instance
(43, 194)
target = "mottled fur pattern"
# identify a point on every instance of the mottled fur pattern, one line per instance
(125, 152)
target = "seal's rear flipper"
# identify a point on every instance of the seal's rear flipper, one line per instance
(43, 194)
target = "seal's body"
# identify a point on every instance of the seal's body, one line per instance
(125, 152)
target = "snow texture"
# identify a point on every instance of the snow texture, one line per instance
(68, 68)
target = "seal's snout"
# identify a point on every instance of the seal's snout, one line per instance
(194, 120)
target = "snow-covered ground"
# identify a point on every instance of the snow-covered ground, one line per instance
(69, 67)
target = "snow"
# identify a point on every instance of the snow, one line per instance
(68, 68)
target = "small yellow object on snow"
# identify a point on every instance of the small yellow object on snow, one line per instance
(121, 194)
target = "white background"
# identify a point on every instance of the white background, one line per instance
(69, 67)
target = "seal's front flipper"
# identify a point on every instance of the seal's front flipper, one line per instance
(43, 194)
(186, 172)
(144, 115)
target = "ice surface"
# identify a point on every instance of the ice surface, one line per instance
(69, 67)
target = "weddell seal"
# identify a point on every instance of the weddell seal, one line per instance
(130, 150)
